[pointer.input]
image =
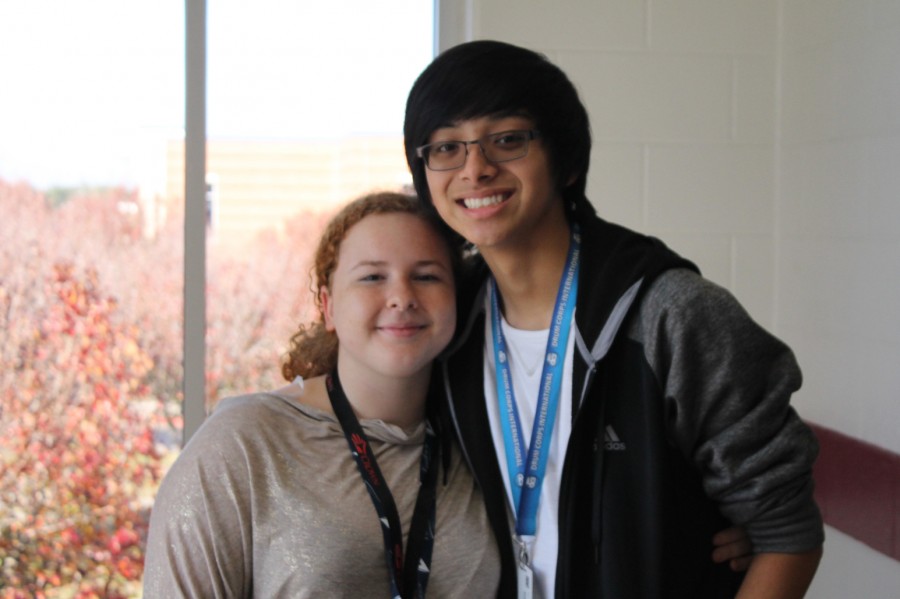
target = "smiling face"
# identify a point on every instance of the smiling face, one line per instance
(391, 298)
(496, 205)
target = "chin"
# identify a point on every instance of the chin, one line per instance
(403, 369)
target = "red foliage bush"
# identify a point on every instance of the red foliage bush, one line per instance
(90, 374)
(255, 303)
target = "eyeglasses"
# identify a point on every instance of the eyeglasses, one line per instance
(496, 147)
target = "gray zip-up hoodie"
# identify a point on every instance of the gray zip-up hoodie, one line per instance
(698, 395)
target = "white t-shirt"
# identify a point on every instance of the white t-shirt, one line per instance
(526, 356)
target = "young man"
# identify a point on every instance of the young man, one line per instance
(628, 409)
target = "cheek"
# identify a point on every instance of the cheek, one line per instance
(437, 184)
(345, 328)
(442, 203)
(353, 313)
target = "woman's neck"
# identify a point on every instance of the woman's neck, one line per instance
(395, 400)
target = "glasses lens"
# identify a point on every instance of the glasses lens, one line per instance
(445, 155)
(507, 145)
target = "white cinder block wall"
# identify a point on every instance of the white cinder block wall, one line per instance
(837, 237)
(760, 138)
(682, 103)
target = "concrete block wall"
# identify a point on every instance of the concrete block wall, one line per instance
(838, 249)
(681, 98)
(838, 216)
(760, 138)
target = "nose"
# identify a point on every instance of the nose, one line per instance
(477, 167)
(402, 297)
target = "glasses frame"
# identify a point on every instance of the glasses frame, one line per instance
(530, 134)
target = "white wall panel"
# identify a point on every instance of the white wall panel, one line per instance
(712, 187)
(616, 180)
(752, 261)
(838, 280)
(711, 252)
(569, 24)
(845, 88)
(652, 97)
(754, 99)
(713, 26)
(821, 189)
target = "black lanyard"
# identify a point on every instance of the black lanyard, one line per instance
(409, 577)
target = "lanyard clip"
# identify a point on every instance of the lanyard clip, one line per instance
(524, 556)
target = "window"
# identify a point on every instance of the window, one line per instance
(304, 114)
(304, 111)
(90, 288)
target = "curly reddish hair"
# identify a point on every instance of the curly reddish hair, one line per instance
(313, 349)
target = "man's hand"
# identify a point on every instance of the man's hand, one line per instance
(732, 545)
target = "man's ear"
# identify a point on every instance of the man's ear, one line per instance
(327, 308)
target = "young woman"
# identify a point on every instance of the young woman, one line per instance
(616, 406)
(268, 498)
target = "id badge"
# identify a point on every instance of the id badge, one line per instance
(526, 581)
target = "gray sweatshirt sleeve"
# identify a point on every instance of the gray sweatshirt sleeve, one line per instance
(727, 385)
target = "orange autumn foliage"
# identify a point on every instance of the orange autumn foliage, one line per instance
(90, 375)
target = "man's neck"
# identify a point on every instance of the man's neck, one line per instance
(528, 278)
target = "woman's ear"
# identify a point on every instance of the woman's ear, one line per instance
(327, 308)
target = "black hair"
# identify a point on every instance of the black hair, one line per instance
(490, 78)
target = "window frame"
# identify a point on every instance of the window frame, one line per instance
(452, 25)
(194, 329)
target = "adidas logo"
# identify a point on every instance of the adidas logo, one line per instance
(611, 441)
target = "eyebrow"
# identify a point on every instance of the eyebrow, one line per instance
(495, 116)
(379, 263)
(444, 132)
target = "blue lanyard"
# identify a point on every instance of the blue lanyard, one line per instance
(526, 472)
